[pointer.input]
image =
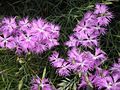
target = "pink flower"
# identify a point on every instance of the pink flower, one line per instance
(9, 24)
(24, 24)
(80, 61)
(116, 68)
(42, 84)
(55, 60)
(7, 41)
(104, 16)
(40, 27)
(64, 70)
(100, 56)
(72, 42)
(62, 66)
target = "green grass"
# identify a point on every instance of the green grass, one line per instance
(16, 73)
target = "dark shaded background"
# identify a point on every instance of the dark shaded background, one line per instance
(46, 8)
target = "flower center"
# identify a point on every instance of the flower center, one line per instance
(5, 40)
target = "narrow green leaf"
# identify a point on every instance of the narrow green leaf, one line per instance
(74, 86)
(44, 72)
(107, 2)
(20, 84)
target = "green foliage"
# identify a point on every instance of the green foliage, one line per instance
(68, 84)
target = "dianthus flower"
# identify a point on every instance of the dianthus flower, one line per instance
(62, 66)
(103, 15)
(7, 41)
(40, 84)
(100, 56)
(81, 61)
(9, 24)
(116, 67)
(24, 24)
(104, 80)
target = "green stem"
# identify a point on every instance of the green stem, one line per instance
(88, 81)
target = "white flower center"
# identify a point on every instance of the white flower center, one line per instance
(5, 40)
(41, 29)
(28, 38)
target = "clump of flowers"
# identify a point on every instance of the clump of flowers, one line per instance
(102, 80)
(88, 30)
(86, 34)
(87, 62)
(77, 61)
(24, 35)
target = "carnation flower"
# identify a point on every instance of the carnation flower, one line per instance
(98, 30)
(40, 84)
(51, 42)
(55, 60)
(24, 24)
(83, 62)
(83, 26)
(40, 27)
(62, 66)
(108, 82)
(100, 56)
(54, 30)
(64, 70)
(89, 17)
(73, 54)
(7, 41)
(89, 41)
(72, 42)
(116, 68)
(104, 16)
(9, 24)
(80, 61)
(27, 40)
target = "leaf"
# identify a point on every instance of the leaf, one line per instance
(20, 84)
(68, 84)
(74, 86)
(44, 72)
(107, 2)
